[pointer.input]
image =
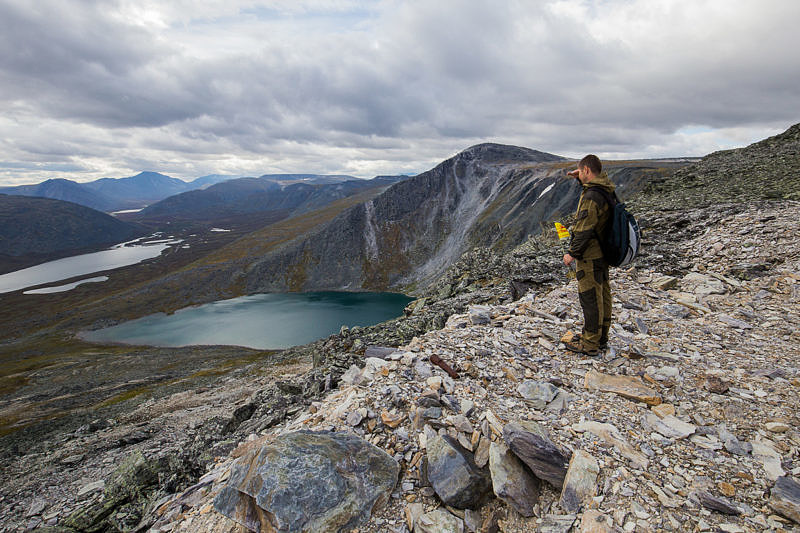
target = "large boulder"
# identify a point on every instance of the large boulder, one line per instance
(454, 475)
(308, 481)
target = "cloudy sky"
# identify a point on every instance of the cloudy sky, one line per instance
(106, 88)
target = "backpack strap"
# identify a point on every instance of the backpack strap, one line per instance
(610, 198)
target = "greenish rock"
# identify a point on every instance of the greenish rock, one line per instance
(308, 481)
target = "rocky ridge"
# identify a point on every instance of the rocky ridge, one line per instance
(686, 423)
(714, 347)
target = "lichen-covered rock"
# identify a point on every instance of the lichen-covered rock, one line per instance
(454, 475)
(308, 481)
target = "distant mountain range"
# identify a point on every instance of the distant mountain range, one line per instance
(33, 230)
(280, 195)
(143, 189)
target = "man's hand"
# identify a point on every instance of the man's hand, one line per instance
(568, 259)
(573, 173)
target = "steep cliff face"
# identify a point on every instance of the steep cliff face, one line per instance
(489, 195)
(417, 228)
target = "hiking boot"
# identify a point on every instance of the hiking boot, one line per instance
(603, 342)
(577, 346)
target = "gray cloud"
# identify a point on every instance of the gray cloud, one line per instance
(111, 87)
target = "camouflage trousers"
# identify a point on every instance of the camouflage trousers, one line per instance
(594, 293)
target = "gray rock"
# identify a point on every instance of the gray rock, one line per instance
(37, 507)
(439, 521)
(785, 498)
(717, 503)
(580, 484)
(731, 443)
(455, 477)
(669, 426)
(553, 523)
(511, 482)
(354, 418)
(734, 322)
(538, 393)
(479, 315)
(532, 444)
(561, 402)
(381, 352)
(423, 370)
(308, 481)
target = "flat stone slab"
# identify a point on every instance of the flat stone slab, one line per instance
(670, 426)
(531, 443)
(308, 481)
(629, 387)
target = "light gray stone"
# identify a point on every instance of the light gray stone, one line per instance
(511, 482)
(538, 393)
(669, 426)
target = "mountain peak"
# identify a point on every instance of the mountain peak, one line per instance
(501, 153)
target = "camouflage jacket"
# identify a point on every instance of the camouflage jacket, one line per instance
(590, 220)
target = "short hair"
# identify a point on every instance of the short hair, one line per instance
(593, 162)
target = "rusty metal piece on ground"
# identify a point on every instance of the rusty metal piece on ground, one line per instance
(436, 360)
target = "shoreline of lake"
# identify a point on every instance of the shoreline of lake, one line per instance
(269, 321)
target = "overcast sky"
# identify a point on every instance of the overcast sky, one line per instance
(105, 88)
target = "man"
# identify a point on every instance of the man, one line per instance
(594, 291)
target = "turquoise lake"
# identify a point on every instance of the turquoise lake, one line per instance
(261, 321)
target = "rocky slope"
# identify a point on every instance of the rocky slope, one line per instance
(714, 346)
(36, 229)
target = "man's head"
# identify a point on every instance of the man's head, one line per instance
(588, 168)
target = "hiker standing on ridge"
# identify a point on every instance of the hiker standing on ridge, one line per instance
(594, 290)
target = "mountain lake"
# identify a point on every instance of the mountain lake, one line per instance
(260, 321)
(120, 255)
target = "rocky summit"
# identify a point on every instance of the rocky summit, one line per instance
(468, 415)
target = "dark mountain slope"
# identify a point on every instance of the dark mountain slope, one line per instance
(66, 190)
(246, 196)
(33, 230)
(139, 190)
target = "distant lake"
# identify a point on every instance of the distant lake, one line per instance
(261, 321)
(79, 265)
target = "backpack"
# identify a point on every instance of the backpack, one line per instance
(621, 239)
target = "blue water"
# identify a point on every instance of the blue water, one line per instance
(261, 321)
(79, 265)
